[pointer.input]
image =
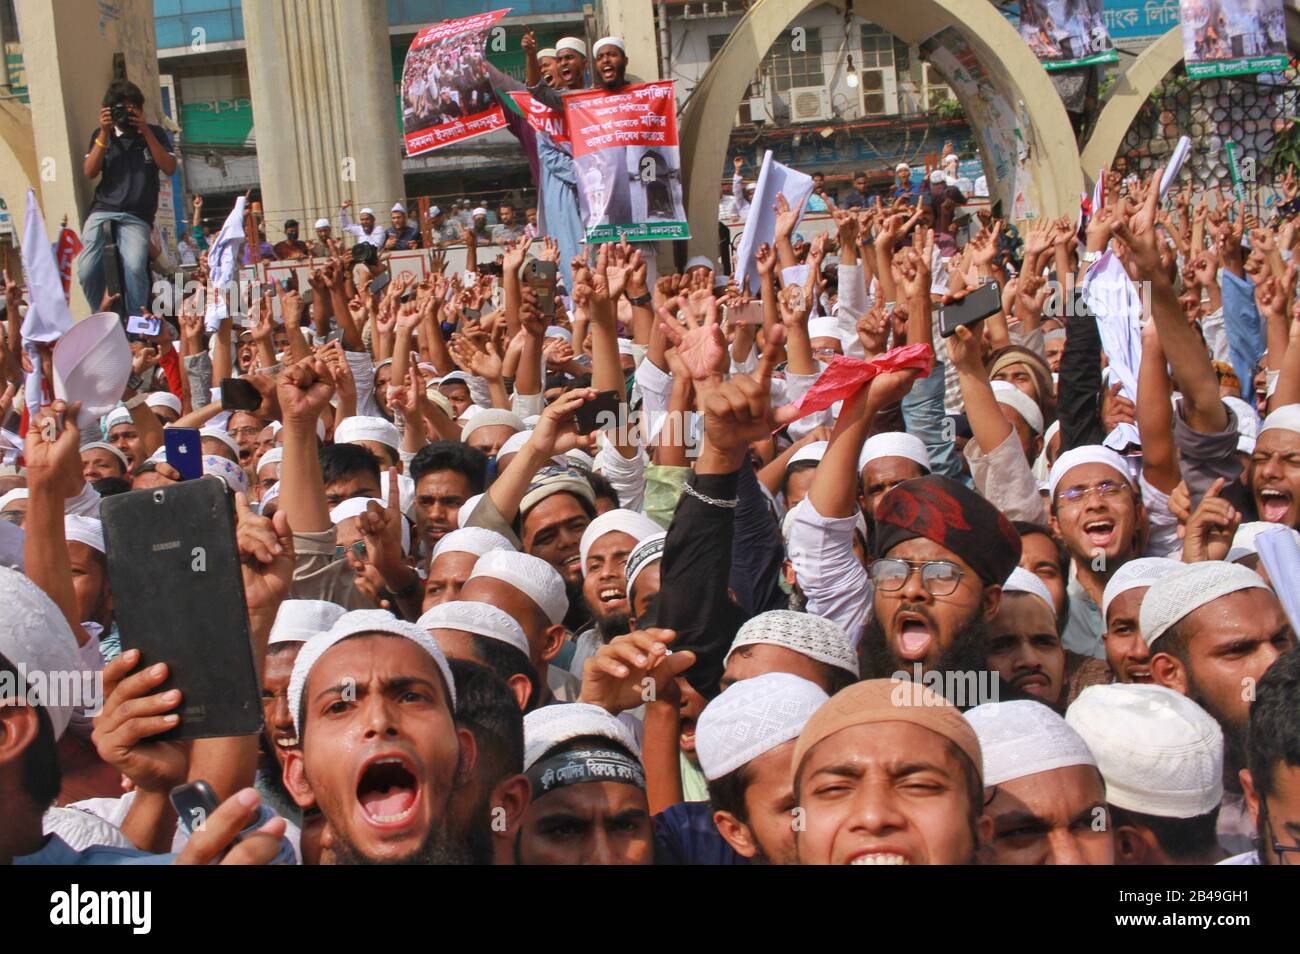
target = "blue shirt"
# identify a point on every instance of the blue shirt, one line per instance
(685, 835)
(59, 852)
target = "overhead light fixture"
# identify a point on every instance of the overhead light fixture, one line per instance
(851, 76)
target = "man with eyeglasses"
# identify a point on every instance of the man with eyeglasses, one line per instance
(1099, 515)
(1271, 780)
(245, 427)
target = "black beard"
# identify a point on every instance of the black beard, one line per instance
(1234, 737)
(576, 620)
(617, 624)
(439, 848)
(968, 651)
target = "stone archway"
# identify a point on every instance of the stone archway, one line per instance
(1007, 95)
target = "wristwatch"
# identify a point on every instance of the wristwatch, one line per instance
(640, 299)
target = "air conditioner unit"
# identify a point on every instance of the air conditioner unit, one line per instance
(756, 109)
(879, 91)
(809, 104)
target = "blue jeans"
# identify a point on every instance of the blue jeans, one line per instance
(133, 249)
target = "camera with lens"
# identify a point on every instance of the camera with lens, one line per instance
(121, 113)
(363, 253)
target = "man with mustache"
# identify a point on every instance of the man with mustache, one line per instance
(1271, 779)
(1024, 646)
(1126, 651)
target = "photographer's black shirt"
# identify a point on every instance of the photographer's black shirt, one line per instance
(129, 179)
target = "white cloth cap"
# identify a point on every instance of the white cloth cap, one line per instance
(815, 450)
(119, 415)
(355, 506)
(549, 727)
(812, 636)
(479, 210)
(471, 411)
(699, 261)
(1139, 572)
(322, 224)
(555, 331)
(398, 207)
(1174, 596)
(608, 41)
(273, 456)
(901, 166)
(475, 540)
(1087, 454)
(1285, 418)
(750, 718)
(297, 621)
(218, 434)
(227, 470)
(489, 416)
(894, 444)
(1024, 738)
(467, 509)
(823, 327)
(1243, 541)
(1022, 581)
(514, 443)
(85, 530)
(547, 53)
(636, 525)
(354, 624)
(531, 575)
(18, 493)
(937, 176)
(367, 211)
(35, 636)
(1159, 752)
(352, 430)
(163, 399)
(105, 446)
(571, 43)
(1007, 393)
(1247, 423)
(481, 619)
(648, 551)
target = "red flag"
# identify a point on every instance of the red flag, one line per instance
(845, 376)
(69, 248)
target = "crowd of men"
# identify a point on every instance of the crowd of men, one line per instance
(826, 587)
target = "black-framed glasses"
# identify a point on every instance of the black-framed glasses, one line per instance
(357, 549)
(939, 577)
(1284, 853)
(1107, 488)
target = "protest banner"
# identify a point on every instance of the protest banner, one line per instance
(539, 116)
(760, 226)
(628, 162)
(1066, 33)
(1233, 37)
(446, 94)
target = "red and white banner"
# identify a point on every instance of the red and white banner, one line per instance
(541, 117)
(446, 93)
(69, 248)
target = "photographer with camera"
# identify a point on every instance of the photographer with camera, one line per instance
(127, 154)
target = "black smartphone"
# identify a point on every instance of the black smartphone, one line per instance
(238, 395)
(179, 541)
(975, 306)
(193, 802)
(541, 278)
(381, 282)
(598, 414)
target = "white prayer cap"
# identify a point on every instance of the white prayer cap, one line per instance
(1007, 393)
(367, 211)
(814, 450)
(608, 41)
(1247, 423)
(104, 446)
(322, 224)
(577, 458)
(35, 636)
(750, 718)
(398, 207)
(119, 415)
(1178, 594)
(1022, 581)
(164, 399)
(479, 210)
(475, 540)
(699, 261)
(1024, 738)
(823, 327)
(470, 412)
(217, 433)
(937, 176)
(467, 509)
(555, 331)
(490, 416)
(546, 54)
(636, 525)
(481, 619)
(531, 575)
(549, 727)
(650, 550)
(297, 621)
(18, 493)
(272, 493)
(273, 456)
(356, 623)
(85, 530)
(1244, 540)
(894, 444)
(1159, 752)
(571, 43)
(514, 443)
(1052, 430)
(1087, 454)
(812, 636)
(227, 470)
(434, 211)
(1136, 573)
(355, 506)
(901, 166)
(353, 430)
(1285, 418)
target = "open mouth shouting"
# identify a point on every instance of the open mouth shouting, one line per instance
(1100, 532)
(1274, 504)
(388, 791)
(611, 596)
(285, 740)
(914, 635)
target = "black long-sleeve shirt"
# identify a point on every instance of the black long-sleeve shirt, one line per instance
(1078, 405)
(756, 551)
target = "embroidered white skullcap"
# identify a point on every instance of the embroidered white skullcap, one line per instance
(1087, 454)
(322, 224)
(297, 621)
(571, 43)
(85, 530)
(481, 619)
(1243, 541)
(650, 550)
(273, 456)
(1022, 581)
(750, 718)
(1285, 418)
(398, 207)
(1178, 594)
(1139, 572)
(1247, 423)
(103, 445)
(227, 470)
(355, 506)
(1024, 738)
(163, 399)
(531, 575)
(636, 525)
(579, 459)
(467, 509)
(894, 444)
(119, 415)
(353, 430)
(557, 481)
(514, 443)
(453, 377)
(217, 433)
(608, 41)
(35, 636)
(18, 493)
(1159, 752)
(471, 411)
(490, 416)
(547, 53)
(367, 211)
(356, 623)
(812, 636)
(475, 540)
(549, 727)
(1007, 393)
(815, 450)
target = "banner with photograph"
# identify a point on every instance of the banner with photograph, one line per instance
(539, 116)
(446, 94)
(628, 163)
(1066, 33)
(1233, 37)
